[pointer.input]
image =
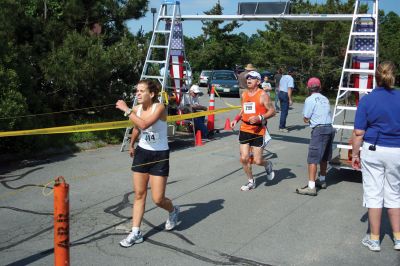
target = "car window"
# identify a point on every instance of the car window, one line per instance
(224, 76)
(206, 73)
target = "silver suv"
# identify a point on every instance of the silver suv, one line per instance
(204, 78)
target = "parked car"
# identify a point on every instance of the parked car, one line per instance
(225, 82)
(204, 78)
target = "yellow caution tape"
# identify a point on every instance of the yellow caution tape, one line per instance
(228, 104)
(106, 125)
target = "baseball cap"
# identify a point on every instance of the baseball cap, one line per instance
(313, 82)
(254, 74)
(195, 88)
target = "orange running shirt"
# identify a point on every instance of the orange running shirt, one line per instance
(251, 106)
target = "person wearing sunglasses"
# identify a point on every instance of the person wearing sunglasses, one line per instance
(257, 107)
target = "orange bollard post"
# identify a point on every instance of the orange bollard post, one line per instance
(210, 119)
(198, 141)
(61, 222)
(227, 124)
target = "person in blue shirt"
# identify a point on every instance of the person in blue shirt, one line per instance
(317, 113)
(377, 130)
(286, 85)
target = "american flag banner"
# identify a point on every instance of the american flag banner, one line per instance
(362, 81)
(177, 37)
(367, 27)
(176, 72)
(364, 44)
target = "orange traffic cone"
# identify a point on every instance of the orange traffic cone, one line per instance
(227, 124)
(198, 141)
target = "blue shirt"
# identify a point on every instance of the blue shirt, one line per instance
(285, 83)
(378, 113)
(317, 109)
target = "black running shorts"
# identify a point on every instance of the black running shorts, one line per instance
(253, 140)
(153, 162)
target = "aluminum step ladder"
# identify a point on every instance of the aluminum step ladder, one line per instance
(358, 72)
(167, 30)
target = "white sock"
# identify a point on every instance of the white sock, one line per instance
(251, 180)
(322, 178)
(135, 230)
(311, 184)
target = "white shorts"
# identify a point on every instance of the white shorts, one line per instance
(381, 177)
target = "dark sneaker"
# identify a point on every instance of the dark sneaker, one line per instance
(248, 186)
(131, 239)
(320, 184)
(373, 245)
(172, 219)
(269, 171)
(307, 191)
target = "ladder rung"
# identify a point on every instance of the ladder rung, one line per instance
(343, 127)
(361, 52)
(151, 77)
(359, 71)
(156, 61)
(159, 46)
(162, 31)
(360, 33)
(365, 16)
(354, 89)
(343, 146)
(341, 107)
(164, 17)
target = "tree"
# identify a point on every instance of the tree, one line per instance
(389, 39)
(62, 55)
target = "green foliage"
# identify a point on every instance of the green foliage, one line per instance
(389, 40)
(57, 56)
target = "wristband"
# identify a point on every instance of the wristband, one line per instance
(237, 118)
(128, 112)
(261, 117)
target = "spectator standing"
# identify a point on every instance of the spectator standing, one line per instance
(242, 78)
(277, 79)
(317, 113)
(286, 85)
(377, 129)
(151, 157)
(256, 109)
(266, 86)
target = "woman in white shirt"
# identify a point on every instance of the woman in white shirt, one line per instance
(151, 157)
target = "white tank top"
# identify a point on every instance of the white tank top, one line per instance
(154, 138)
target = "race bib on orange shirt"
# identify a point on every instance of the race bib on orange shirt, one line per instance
(249, 108)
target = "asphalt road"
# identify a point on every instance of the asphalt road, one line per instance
(219, 224)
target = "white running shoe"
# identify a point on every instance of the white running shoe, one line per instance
(249, 186)
(373, 245)
(172, 219)
(270, 172)
(131, 239)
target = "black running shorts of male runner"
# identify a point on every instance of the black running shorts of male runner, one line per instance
(253, 140)
(153, 162)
